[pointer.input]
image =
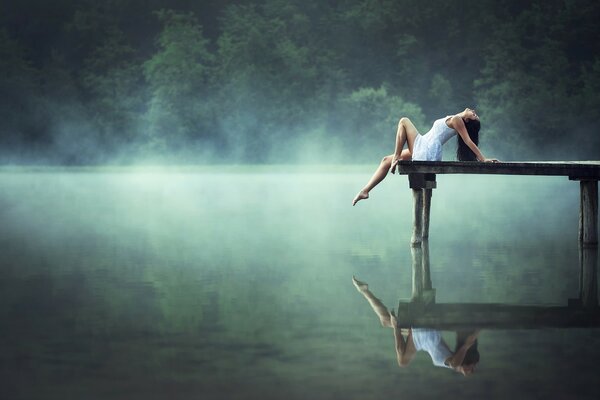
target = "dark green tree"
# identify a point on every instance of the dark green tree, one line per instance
(178, 77)
(19, 85)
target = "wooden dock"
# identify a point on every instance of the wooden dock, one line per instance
(466, 316)
(422, 179)
(572, 169)
(422, 311)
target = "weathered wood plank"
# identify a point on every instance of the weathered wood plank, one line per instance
(499, 316)
(573, 169)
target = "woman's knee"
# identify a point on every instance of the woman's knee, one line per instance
(404, 121)
(386, 160)
(403, 361)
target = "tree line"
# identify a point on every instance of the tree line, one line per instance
(291, 81)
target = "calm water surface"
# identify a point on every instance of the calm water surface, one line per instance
(237, 285)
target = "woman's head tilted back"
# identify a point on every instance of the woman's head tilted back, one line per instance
(463, 152)
(471, 357)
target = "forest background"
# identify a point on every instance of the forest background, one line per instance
(292, 81)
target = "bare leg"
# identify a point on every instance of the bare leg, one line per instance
(406, 133)
(405, 348)
(379, 175)
(379, 308)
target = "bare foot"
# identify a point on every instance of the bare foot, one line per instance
(360, 196)
(360, 286)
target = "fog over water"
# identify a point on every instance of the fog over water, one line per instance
(219, 284)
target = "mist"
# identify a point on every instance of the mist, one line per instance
(171, 232)
(221, 284)
(291, 82)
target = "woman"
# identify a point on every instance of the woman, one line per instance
(428, 147)
(464, 358)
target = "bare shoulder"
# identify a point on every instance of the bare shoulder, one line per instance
(452, 120)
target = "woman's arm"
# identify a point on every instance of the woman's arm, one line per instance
(405, 349)
(457, 359)
(457, 123)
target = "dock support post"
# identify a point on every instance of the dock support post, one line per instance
(588, 242)
(422, 291)
(428, 290)
(427, 285)
(417, 235)
(588, 213)
(426, 209)
(588, 278)
(421, 185)
(417, 273)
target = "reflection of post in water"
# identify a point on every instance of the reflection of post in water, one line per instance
(422, 311)
(588, 278)
(588, 243)
(422, 290)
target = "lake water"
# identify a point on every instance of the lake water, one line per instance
(235, 283)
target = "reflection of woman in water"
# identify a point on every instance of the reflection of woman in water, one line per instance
(428, 147)
(463, 359)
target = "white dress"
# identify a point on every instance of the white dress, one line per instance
(428, 147)
(430, 340)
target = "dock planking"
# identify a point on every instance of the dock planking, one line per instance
(465, 316)
(572, 169)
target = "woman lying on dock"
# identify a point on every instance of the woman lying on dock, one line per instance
(428, 147)
(465, 355)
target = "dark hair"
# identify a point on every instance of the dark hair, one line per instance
(472, 355)
(463, 152)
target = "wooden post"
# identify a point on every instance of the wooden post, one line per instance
(588, 281)
(417, 281)
(422, 291)
(426, 209)
(580, 214)
(588, 213)
(428, 290)
(459, 316)
(417, 235)
(422, 185)
(425, 266)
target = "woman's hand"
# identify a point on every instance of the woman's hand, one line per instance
(490, 160)
(393, 320)
(472, 338)
(394, 164)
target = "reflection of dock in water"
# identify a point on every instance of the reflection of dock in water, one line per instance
(422, 310)
(498, 316)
